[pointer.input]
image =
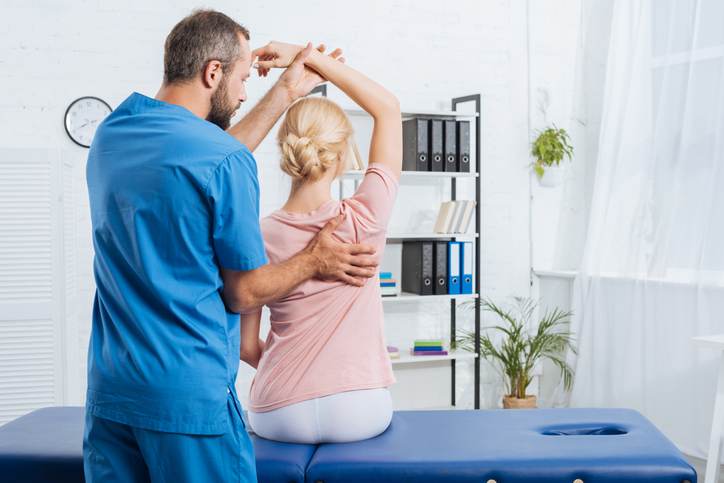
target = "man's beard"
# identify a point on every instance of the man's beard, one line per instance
(222, 109)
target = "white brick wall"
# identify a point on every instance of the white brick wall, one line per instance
(568, 58)
(569, 43)
(554, 39)
(424, 51)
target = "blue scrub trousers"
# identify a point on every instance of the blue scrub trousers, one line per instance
(115, 452)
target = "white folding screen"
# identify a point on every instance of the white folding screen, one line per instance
(35, 279)
(73, 352)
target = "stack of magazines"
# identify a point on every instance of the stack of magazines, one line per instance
(428, 347)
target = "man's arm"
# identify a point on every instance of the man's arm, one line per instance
(256, 124)
(297, 81)
(324, 258)
(254, 288)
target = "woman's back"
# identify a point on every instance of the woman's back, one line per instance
(326, 337)
(323, 373)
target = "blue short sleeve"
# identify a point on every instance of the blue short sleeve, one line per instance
(233, 193)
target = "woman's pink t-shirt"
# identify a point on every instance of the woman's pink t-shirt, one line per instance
(326, 337)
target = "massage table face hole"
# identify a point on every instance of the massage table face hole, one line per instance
(602, 430)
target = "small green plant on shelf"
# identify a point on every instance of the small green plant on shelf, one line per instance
(549, 149)
(518, 348)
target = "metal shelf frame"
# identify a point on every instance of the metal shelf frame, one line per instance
(477, 100)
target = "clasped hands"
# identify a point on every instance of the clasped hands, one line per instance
(298, 78)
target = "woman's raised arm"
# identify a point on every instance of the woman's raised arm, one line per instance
(381, 104)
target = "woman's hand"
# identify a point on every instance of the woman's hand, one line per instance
(274, 55)
(298, 80)
(280, 55)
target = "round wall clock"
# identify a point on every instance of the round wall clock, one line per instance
(83, 117)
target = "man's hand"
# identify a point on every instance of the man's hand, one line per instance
(325, 258)
(349, 263)
(298, 80)
(274, 55)
(279, 55)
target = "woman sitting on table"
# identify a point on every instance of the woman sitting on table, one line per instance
(323, 372)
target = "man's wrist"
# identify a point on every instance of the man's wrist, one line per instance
(308, 263)
(284, 94)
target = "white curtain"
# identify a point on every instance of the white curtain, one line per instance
(652, 275)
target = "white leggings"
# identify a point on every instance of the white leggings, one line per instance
(339, 418)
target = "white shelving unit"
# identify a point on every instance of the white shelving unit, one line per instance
(421, 113)
(406, 358)
(429, 236)
(411, 297)
(416, 174)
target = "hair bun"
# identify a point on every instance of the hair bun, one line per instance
(313, 138)
(302, 141)
(301, 154)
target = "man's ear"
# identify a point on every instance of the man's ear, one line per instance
(212, 74)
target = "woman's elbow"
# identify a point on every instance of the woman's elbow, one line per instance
(392, 105)
(387, 109)
(250, 357)
(395, 101)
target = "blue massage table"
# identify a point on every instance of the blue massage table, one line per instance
(503, 446)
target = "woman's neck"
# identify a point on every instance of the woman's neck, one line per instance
(306, 197)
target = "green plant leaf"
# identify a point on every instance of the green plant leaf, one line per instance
(539, 170)
(519, 349)
(550, 147)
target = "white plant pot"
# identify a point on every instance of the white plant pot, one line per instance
(552, 176)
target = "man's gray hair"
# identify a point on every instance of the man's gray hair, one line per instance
(203, 36)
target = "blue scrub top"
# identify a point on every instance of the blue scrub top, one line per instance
(173, 199)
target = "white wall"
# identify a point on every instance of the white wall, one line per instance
(574, 95)
(556, 213)
(568, 59)
(425, 51)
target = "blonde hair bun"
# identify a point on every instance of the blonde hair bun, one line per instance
(313, 138)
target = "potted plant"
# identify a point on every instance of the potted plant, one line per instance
(518, 349)
(549, 149)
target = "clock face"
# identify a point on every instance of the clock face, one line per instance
(83, 117)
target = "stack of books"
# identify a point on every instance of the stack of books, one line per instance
(388, 285)
(393, 351)
(428, 347)
(455, 216)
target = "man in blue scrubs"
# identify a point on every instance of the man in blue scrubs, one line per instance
(174, 203)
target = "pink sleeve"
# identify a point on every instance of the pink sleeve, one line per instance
(374, 199)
